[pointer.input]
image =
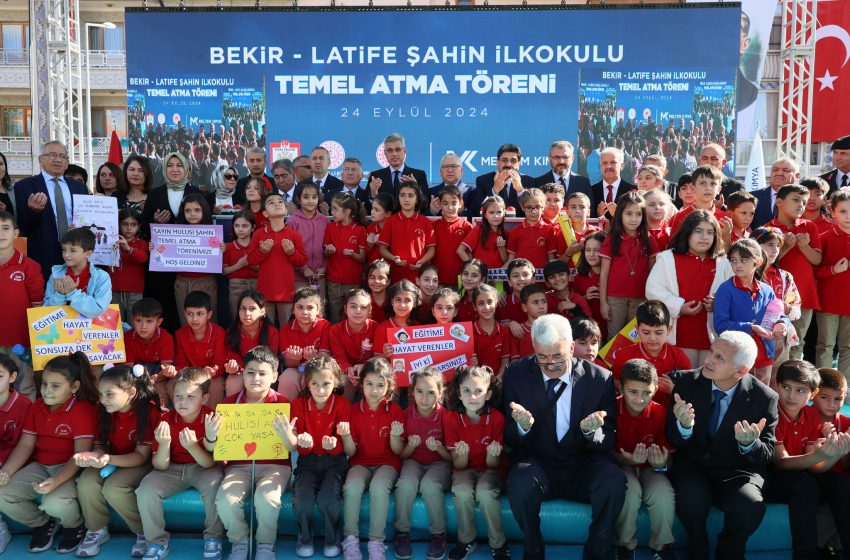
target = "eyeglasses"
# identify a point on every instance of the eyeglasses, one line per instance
(452, 166)
(54, 155)
(230, 176)
(532, 208)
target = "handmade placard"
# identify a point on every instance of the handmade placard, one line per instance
(444, 347)
(247, 433)
(60, 330)
(186, 248)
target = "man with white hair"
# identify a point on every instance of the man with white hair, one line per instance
(722, 424)
(389, 178)
(784, 171)
(612, 186)
(560, 421)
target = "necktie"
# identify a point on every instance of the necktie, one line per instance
(319, 184)
(551, 386)
(844, 181)
(395, 180)
(714, 421)
(563, 183)
(610, 195)
(61, 213)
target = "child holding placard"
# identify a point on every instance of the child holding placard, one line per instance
(87, 289)
(194, 210)
(473, 273)
(128, 279)
(404, 301)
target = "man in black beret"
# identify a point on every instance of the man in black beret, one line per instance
(840, 176)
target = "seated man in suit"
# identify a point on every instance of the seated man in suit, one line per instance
(612, 186)
(389, 178)
(561, 158)
(44, 206)
(784, 171)
(352, 174)
(715, 156)
(722, 424)
(840, 176)
(506, 183)
(451, 173)
(560, 421)
(284, 182)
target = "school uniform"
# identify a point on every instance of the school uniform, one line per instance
(128, 279)
(466, 309)
(276, 276)
(581, 283)
(13, 414)
(22, 286)
(482, 249)
(210, 351)
(522, 347)
(493, 347)
(561, 243)
(697, 277)
(408, 239)
(511, 310)
(627, 277)
(243, 279)
(834, 314)
(581, 309)
(531, 241)
(448, 236)
(378, 313)
(344, 273)
(679, 217)
(373, 253)
(350, 348)
(291, 381)
(670, 359)
(382, 336)
(661, 236)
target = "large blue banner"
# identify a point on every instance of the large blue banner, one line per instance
(462, 81)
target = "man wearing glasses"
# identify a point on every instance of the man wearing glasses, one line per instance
(561, 157)
(451, 172)
(560, 421)
(352, 174)
(506, 182)
(390, 177)
(44, 205)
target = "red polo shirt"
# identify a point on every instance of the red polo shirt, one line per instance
(493, 347)
(342, 269)
(424, 427)
(320, 423)
(56, 431)
(522, 347)
(832, 288)
(561, 243)
(630, 267)
(511, 310)
(175, 422)
(160, 348)
(408, 239)
(679, 217)
(292, 335)
(231, 256)
(646, 428)
(374, 253)
(449, 236)
(487, 251)
(695, 276)
(350, 348)
(276, 276)
(581, 305)
(124, 427)
(248, 343)
(669, 359)
(581, 283)
(13, 414)
(795, 435)
(823, 223)
(796, 263)
(210, 351)
(370, 430)
(273, 397)
(381, 337)
(130, 276)
(22, 286)
(533, 242)
(490, 427)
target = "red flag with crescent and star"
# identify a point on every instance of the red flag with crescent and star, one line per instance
(830, 112)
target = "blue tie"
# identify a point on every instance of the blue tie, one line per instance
(551, 386)
(714, 423)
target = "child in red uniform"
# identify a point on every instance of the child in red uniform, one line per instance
(534, 303)
(201, 344)
(128, 279)
(382, 208)
(350, 341)
(474, 432)
(373, 449)
(586, 279)
(449, 232)
(428, 281)
(241, 276)
(402, 309)
(492, 339)
(147, 343)
(250, 329)
(817, 205)
(653, 327)
(269, 477)
(277, 249)
(14, 408)
(532, 239)
(62, 422)
(345, 247)
(322, 462)
(587, 336)
(627, 257)
(560, 298)
(473, 273)
(181, 461)
(643, 456)
(426, 468)
(22, 286)
(444, 306)
(254, 190)
(377, 281)
(685, 191)
(706, 181)
(520, 274)
(659, 210)
(800, 255)
(301, 340)
(127, 418)
(833, 276)
(407, 240)
(487, 241)
(578, 210)
(741, 207)
(554, 193)
(686, 277)
(194, 210)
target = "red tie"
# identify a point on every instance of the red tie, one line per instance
(610, 197)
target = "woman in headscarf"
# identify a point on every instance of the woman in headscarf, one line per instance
(223, 179)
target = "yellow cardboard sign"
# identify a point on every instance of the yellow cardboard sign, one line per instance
(247, 434)
(60, 330)
(568, 233)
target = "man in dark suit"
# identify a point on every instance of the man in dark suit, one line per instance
(715, 156)
(560, 421)
(44, 206)
(352, 174)
(320, 160)
(284, 182)
(561, 158)
(255, 158)
(390, 177)
(451, 173)
(722, 424)
(611, 187)
(840, 176)
(507, 183)
(784, 171)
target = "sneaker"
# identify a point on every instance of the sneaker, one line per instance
(5, 536)
(437, 547)
(351, 548)
(139, 546)
(461, 551)
(70, 538)
(265, 551)
(304, 550)
(156, 552)
(42, 537)
(624, 553)
(401, 546)
(377, 550)
(213, 549)
(331, 551)
(92, 542)
(239, 551)
(664, 554)
(502, 553)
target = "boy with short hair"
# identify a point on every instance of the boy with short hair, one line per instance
(706, 180)
(560, 298)
(578, 211)
(818, 191)
(181, 461)
(520, 274)
(22, 286)
(532, 238)
(201, 344)
(800, 254)
(449, 231)
(149, 344)
(271, 477)
(644, 459)
(833, 278)
(587, 336)
(685, 191)
(534, 304)
(87, 289)
(829, 400)
(741, 207)
(554, 193)
(653, 327)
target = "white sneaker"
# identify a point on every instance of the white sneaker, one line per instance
(239, 551)
(304, 550)
(213, 549)
(139, 546)
(265, 551)
(351, 548)
(377, 550)
(92, 542)
(5, 536)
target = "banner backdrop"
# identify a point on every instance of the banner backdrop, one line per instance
(460, 80)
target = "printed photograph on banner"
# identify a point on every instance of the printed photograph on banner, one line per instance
(60, 330)
(99, 214)
(444, 347)
(186, 248)
(247, 434)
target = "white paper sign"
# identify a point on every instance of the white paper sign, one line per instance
(99, 214)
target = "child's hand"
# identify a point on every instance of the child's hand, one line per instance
(592, 293)
(516, 329)
(162, 434)
(231, 367)
(212, 371)
(4, 478)
(123, 243)
(396, 428)
(790, 240)
(353, 376)
(288, 246)
(309, 352)
(605, 309)
(841, 266)
(657, 456)
(593, 422)
(101, 461)
(150, 247)
(665, 384)
(307, 272)
(45, 487)
(413, 441)
(242, 262)
(283, 427)
(328, 442)
(293, 354)
(168, 370)
(343, 429)
(388, 350)
(371, 239)
(435, 206)
(803, 239)
(400, 262)
(305, 440)
(266, 245)
(330, 249)
(758, 330)
(213, 422)
(188, 439)
(461, 449)
(636, 457)
(719, 202)
(690, 308)
(347, 252)
(779, 330)
(433, 444)
(84, 459)
(828, 429)
(500, 242)
(474, 360)
(726, 226)
(708, 303)
(494, 449)
(417, 265)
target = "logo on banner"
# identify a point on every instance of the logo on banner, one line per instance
(285, 150)
(647, 112)
(466, 159)
(336, 151)
(379, 155)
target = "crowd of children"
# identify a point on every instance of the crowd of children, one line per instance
(130, 435)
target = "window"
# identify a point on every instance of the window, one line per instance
(15, 121)
(102, 39)
(15, 36)
(105, 119)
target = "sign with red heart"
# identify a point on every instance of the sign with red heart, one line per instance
(247, 435)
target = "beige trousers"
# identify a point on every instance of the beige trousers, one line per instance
(653, 489)
(432, 481)
(380, 481)
(833, 327)
(96, 494)
(270, 482)
(623, 310)
(18, 498)
(470, 487)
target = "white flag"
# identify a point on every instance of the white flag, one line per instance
(755, 177)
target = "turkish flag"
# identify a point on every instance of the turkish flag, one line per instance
(115, 154)
(830, 114)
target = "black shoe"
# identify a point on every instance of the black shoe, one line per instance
(502, 553)
(828, 553)
(624, 553)
(70, 538)
(42, 537)
(461, 551)
(664, 554)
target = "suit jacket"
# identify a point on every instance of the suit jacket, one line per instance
(577, 183)
(158, 200)
(831, 177)
(467, 197)
(386, 177)
(362, 195)
(598, 195)
(752, 401)
(764, 209)
(593, 389)
(484, 188)
(40, 228)
(729, 185)
(239, 192)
